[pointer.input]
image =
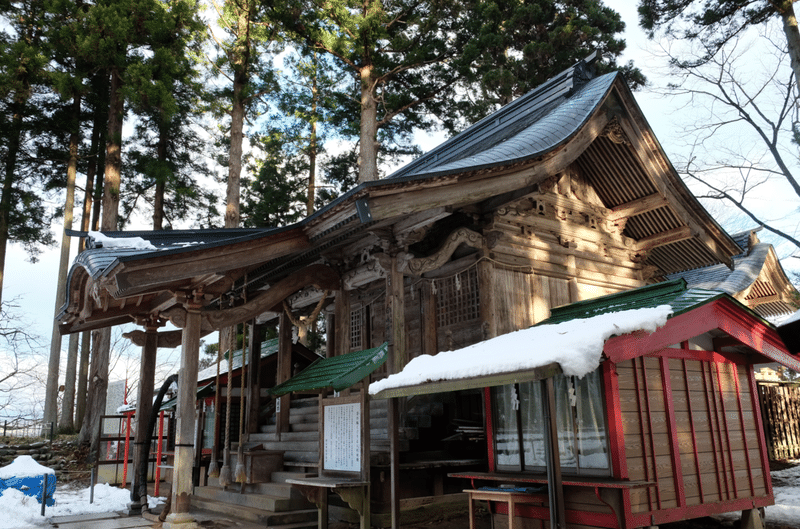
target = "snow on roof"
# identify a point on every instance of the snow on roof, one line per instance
(24, 467)
(120, 242)
(576, 345)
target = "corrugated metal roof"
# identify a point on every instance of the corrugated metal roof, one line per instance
(674, 293)
(339, 372)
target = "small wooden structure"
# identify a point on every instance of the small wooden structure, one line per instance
(668, 428)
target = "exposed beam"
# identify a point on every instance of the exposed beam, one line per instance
(321, 276)
(637, 207)
(754, 302)
(665, 237)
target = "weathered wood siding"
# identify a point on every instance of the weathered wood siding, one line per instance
(780, 410)
(714, 454)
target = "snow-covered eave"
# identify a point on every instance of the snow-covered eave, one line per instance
(573, 347)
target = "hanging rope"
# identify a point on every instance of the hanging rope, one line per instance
(213, 469)
(241, 474)
(225, 471)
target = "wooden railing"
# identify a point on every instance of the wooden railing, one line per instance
(780, 411)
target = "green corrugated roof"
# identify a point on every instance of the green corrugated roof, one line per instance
(339, 372)
(673, 293)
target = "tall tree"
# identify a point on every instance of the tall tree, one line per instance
(516, 46)
(167, 96)
(713, 23)
(23, 58)
(114, 34)
(412, 59)
(243, 63)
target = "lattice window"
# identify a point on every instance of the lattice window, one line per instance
(458, 298)
(356, 329)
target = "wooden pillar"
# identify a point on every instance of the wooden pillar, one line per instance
(342, 320)
(554, 487)
(284, 371)
(330, 329)
(144, 407)
(430, 340)
(185, 412)
(395, 312)
(487, 297)
(253, 400)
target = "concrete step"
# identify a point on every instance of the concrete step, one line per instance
(255, 500)
(269, 518)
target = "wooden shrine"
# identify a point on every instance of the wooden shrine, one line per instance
(560, 197)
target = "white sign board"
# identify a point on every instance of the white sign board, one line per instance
(342, 425)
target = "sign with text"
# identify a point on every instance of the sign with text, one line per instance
(342, 437)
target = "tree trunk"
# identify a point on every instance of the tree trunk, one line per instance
(790, 29)
(98, 376)
(98, 386)
(51, 390)
(235, 155)
(66, 423)
(8, 181)
(83, 373)
(368, 140)
(161, 183)
(111, 183)
(312, 144)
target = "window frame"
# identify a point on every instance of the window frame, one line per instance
(523, 466)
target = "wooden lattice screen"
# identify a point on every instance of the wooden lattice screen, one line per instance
(780, 410)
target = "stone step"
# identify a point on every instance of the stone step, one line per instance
(255, 500)
(285, 436)
(292, 445)
(300, 525)
(277, 488)
(262, 516)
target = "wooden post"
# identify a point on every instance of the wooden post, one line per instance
(342, 320)
(144, 407)
(487, 298)
(253, 399)
(284, 371)
(330, 328)
(185, 412)
(430, 345)
(395, 312)
(555, 490)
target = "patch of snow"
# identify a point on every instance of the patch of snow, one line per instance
(576, 345)
(20, 511)
(125, 408)
(136, 243)
(24, 467)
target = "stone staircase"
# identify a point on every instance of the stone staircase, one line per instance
(277, 504)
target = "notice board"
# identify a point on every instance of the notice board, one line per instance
(342, 434)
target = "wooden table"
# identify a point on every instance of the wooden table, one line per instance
(511, 497)
(602, 490)
(354, 492)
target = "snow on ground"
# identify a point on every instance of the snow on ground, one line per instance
(20, 511)
(786, 486)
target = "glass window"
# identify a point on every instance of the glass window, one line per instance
(520, 430)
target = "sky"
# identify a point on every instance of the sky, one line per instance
(33, 285)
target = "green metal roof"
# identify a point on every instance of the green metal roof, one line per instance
(673, 293)
(339, 372)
